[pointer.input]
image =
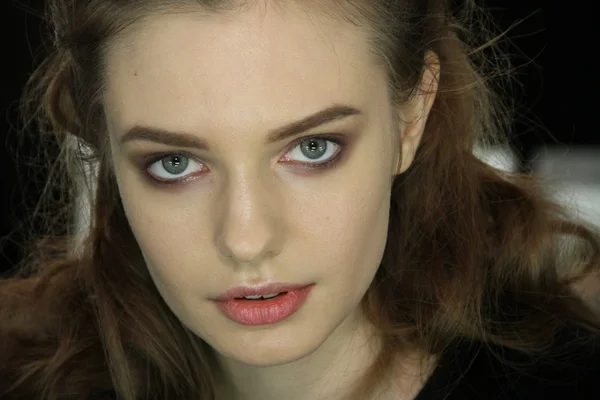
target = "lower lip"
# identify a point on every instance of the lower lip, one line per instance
(264, 312)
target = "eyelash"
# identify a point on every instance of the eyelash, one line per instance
(335, 139)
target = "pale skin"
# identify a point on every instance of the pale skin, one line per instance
(249, 212)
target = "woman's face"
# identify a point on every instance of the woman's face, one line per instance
(221, 193)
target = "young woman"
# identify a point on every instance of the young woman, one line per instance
(286, 204)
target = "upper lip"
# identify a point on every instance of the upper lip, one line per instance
(258, 290)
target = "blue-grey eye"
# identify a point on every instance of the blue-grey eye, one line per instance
(314, 151)
(175, 164)
(313, 148)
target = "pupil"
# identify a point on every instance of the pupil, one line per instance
(175, 164)
(314, 148)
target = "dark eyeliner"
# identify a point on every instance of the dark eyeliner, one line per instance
(338, 139)
(148, 161)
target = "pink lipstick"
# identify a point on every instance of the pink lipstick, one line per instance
(262, 305)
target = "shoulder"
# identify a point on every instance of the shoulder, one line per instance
(569, 369)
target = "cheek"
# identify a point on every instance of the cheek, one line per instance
(172, 236)
(348, 235)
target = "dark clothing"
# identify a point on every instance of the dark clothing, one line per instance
(570, 370)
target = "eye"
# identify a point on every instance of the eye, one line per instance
(310, 153)
(314, 151)
(173, 167)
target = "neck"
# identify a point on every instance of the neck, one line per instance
(331, 372)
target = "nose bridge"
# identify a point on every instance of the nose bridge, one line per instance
(250, 229)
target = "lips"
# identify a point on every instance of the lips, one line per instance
(260, 311)
(240, 292)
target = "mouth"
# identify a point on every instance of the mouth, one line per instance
(267, 308)
(262, 297)
(263, 291)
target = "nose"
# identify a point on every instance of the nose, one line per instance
(251, 228)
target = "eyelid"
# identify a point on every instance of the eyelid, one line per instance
(335, 137)
(149, 160)
(339, 139)
(154, 157)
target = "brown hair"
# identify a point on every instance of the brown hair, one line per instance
(83, 313)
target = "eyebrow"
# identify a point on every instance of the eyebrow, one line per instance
(183, 139)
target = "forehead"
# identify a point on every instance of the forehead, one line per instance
(230, 69)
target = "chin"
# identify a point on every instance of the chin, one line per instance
(268, 360)
(269, 347)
